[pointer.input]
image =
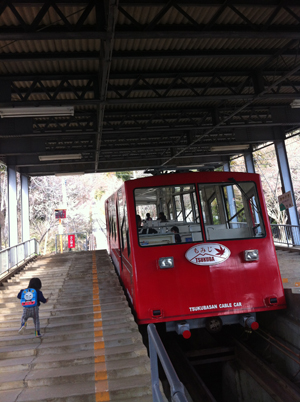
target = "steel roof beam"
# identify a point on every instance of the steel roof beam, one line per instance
(191, 74)
(115, 75)
(53, 56)
(133, 55)
(123, 133)
(142, 112)
(206, 3)
(64, 29)
(154, 100)
(55, 166)
(123, 91)
(67, 144)
(198, 54)
(149, 3)
(180, 33)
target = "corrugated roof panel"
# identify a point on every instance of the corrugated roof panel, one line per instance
(177, 92)
(284, 17)
(141, 14)
(49, 67)
(65, 45)
(211, 44)
(43, 97)
(194, 104)
(28, 14)
(192, 80)
(166, 105)
(275, 102)
(204, 14)
(48, 83)
(185, 64)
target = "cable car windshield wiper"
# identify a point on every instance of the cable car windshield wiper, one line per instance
(255, 207)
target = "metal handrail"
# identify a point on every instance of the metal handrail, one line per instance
(157, 349)
(12, 257)
(286, 234)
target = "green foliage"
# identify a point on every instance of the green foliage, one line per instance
(124, 175)
(98, 194)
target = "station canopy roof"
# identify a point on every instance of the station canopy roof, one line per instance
(112, 85)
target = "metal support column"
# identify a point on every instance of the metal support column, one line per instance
(286, 180)
(12, 214)
(12, 206)
(249, 162)
(226, 167)
(25, 208)
(231, 201)
(25, 212)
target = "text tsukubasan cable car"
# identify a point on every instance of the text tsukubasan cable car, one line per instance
(209, 260)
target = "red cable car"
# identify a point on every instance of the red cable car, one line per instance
(204, 258)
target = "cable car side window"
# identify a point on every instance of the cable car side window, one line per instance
(175, 219)
(231, 211)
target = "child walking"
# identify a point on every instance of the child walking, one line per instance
(34, 283)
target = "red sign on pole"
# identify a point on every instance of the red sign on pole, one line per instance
(71, 241)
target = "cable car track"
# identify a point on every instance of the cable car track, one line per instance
(200, 370)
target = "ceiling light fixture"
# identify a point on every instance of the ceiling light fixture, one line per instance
(59, 157)
(230, 147)
(70, 174)
(195, 166)
(295, 104)
(36, 111)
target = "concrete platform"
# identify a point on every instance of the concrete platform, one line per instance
(91, 349)
(289, 264)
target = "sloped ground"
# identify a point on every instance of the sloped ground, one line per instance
(289, 264)
(91, 349)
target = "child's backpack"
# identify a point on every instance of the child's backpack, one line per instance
(29, 298)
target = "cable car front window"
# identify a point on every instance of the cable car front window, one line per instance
(231, 211)
(175, 217)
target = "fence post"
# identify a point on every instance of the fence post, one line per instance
(286, 236)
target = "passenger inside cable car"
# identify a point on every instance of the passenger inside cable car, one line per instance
(142, 230)
(175, 230)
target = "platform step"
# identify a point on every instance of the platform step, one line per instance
(65, 365)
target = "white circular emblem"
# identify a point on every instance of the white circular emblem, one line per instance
(28, 296)
(207, 254)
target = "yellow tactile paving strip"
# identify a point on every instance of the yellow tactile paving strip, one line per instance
(101, 383)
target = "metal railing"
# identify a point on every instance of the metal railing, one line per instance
(12, 257)
(157, 349)
(286, 234)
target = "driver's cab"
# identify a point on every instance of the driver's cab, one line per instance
(231, 211)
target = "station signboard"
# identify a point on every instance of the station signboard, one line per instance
(285, 201)
(60, 213)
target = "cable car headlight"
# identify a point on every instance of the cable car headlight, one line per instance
(166, 262)
(251, 255)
